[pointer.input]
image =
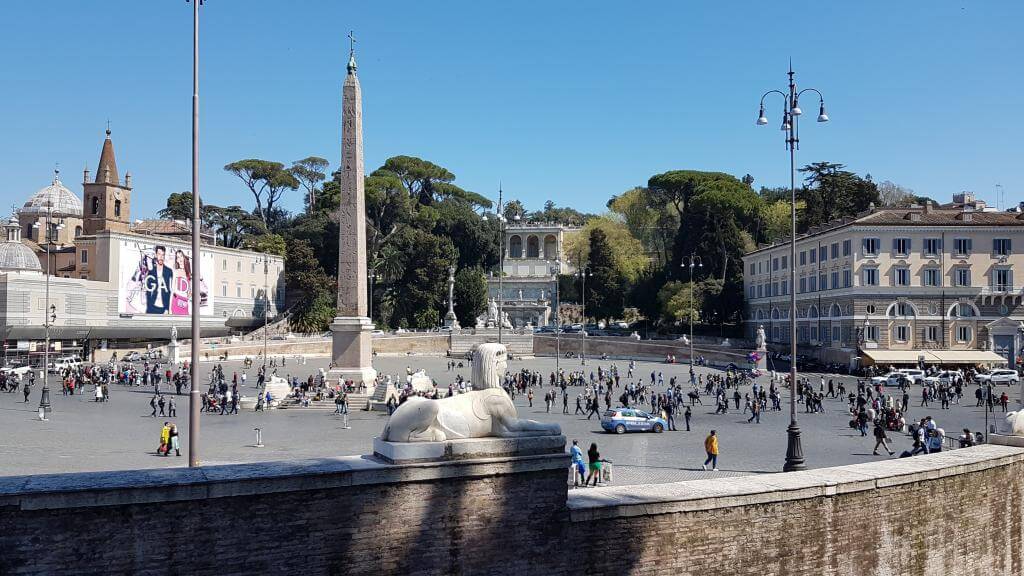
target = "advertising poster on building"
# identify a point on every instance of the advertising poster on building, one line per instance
(159, 279)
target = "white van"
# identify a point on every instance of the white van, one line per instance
(62, 363)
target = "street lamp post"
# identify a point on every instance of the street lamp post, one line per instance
(693, 261)
(790, 118)
(558, 323)
(266, 312)
(50, 309)
(193, 396)
(583, 272)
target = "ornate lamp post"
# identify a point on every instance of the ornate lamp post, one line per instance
(692, 262)
(193, 396)
(790, 125)
(558, 322)
(51, 230)
(582, 273)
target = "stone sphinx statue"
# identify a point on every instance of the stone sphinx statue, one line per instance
(1015, 423)
(486, 411)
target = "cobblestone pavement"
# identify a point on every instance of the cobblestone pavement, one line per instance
(82, 435)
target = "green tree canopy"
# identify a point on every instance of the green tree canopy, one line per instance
(470, 294)
(267, 181)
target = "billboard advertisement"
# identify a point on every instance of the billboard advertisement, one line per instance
(156, 278)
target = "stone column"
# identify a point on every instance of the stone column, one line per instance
(352, 329)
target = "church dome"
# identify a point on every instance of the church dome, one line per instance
(14, 255)
(65, 203)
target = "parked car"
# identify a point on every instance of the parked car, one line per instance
(947, 377)
(622, 420)
(132, 357)
(18, 369)
(916, 376)
(63, 363)
(999, 376)
(891, 379)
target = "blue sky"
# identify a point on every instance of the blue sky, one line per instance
(567, 101)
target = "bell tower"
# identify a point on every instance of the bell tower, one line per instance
(107, 201)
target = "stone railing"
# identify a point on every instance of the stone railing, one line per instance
(954, 513)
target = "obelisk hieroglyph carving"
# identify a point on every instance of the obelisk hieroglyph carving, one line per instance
(351, 329)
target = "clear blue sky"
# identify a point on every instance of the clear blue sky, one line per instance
(567, 101)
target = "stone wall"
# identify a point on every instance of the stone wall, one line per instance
(625, 347)
(408, 343)
(954, 513)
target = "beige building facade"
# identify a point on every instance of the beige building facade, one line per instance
(897, 286)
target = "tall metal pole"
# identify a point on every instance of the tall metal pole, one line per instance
(193, 396)
(583, 332)
(691, 311)
(501, 266)
(794, 447)
(266, 312)
(44, 395)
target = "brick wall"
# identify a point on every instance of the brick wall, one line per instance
(956, 513)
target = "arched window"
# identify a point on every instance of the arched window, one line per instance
(550, 247)
(812, 312)
(515, 247)
(95, 205)
(78, 231)
(900, 309)
(532, 247)
(117, 208)
(962, 310)
(760, 315)
(775, 313)
(835, 311)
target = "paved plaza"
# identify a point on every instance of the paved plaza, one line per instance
(82, 435)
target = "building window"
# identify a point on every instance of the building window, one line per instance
(846, 247)
(932, 246)
(760, 290)
(803, 285)
(835, 252)
(963, 333)
(1001, 247)
(85, 256)
(901, 276)
(962, 276)
(252, 268)
(785, 287)
(533, 247)
(803, 258)
(964, 311)
(238, 266)
(78, 231)
(902, 333)
(835, 279)
(962, 246)
(869, 276)
(900, 246)
(822, 281)
(775, 288)
(95, 205)
(238, 290)
(847, 278)
(750, 290)
(515, 247)
(870, 308)
(752, 268)
(822, 253)
(837, 334)
(871, 246)
(931, 333)
(813, 254)
(775, 264)
(224, 289)
(871, 333)
(785, 262)
(252, 291)
(1002, 279)
(224, 266)
(813, 284)
(117, 208)
(930, 276)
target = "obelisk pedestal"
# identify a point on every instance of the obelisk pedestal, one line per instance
(351, 330)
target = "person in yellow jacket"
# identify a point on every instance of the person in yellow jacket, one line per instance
(711, 447)
(165, 438)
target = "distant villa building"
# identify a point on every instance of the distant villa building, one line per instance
(114, 280)
(534, 257)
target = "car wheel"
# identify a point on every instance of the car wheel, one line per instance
(620, 429)
(658, 428)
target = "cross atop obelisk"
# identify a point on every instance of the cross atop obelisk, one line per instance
(351, 329)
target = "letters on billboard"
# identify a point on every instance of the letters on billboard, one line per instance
(159, 279)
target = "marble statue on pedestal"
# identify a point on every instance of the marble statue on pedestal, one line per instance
(174, 334)
(761, 340)
(450, 319)
(486, 411)
(1015, 423)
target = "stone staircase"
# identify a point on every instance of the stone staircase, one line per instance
(355, 402)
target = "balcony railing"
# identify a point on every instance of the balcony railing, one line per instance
(1002, 289)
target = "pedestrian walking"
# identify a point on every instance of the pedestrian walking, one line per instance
(152, 404)
(595, 465)
(880, 439)
(172, 435)
(711, 448)
(686, 416)
(172, 408)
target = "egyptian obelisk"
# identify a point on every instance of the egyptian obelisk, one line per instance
(351, 329)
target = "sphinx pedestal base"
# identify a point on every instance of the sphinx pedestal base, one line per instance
(466, 449)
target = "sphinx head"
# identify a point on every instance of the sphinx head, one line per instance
(489, 364)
